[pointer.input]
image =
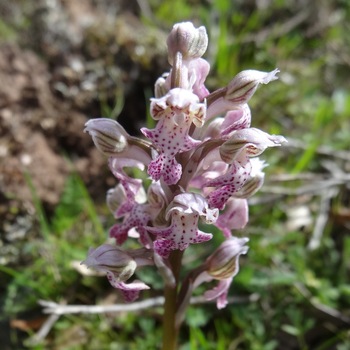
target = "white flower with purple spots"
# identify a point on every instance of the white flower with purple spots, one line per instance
(176, 112)
(199, 163)
(185, 211)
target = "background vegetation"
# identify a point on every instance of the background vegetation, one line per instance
(293, 290)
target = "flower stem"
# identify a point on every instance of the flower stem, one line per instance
(170, 331)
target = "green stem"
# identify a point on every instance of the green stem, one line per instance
(170, 331)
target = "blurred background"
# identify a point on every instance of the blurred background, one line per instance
(63, 62)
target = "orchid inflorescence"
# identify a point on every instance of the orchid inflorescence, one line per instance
(202, 160)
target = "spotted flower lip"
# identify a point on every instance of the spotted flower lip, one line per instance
(184, 211)
(237, 151)
(228, 184)
(137, 220)
(175, 113)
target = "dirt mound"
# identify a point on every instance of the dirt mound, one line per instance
(75, 69)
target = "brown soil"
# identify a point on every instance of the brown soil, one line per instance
(72, 63)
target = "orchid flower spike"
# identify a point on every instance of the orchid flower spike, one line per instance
(198, 164)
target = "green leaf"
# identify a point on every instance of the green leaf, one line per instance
(290, 329)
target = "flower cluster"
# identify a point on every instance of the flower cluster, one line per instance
(202, 160)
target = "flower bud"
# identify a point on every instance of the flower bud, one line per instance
(191, 42)
(244, 84)
(249, 142)
(109, 258)
(108, 135)
(223, 263)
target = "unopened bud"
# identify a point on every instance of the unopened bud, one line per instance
(108, 135)
(243, 85)
(224, 262)
(249, 142)
(109, 258)
(191, 42)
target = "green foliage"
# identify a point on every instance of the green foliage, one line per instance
(6, 31)
(51, 255)
(74, 202)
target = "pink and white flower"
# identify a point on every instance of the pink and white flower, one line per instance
(185, 211)
(201, 162)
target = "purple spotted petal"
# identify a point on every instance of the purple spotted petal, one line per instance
(132, 188)
(138, 219)
(163, 247)
(236, 119)
(219, 293)
(183, 230)
(130, 291)
(176, 112)
(165, 167)
(170, 139)
(227, 184)
(211, 167)
(236, 175)
(177, 240)
(235, 216)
